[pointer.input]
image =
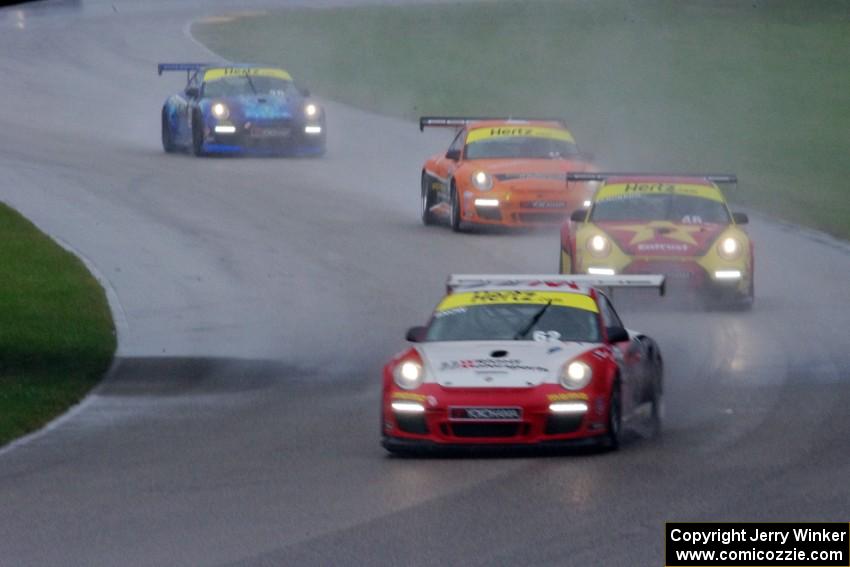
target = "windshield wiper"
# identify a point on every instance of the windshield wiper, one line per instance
(533, 321)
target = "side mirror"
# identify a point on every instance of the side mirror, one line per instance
(740, 218)
(416, 334)
(453, 155)
(193, 92)
(616, 334)
(578, 215)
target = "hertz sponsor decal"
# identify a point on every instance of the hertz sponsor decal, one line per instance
(629, 190)
(222, 72)
(557, 298)
(507, 131)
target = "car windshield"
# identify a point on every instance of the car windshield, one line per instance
(669, 207)
(514, 321)
(520, 147)
(236, 85)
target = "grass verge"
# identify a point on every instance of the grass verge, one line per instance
(759, 88)
(56, 332)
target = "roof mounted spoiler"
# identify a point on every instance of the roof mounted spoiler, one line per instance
(602, 176)
(190, 68)
(471, 282)
(461, 121)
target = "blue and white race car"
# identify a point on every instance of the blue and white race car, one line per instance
(241, 109)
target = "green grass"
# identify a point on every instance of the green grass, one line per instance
(760, 88)
(56, 332)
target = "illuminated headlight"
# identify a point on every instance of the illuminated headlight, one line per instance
(409, 375)
(311, 110)
(567, 407)
(729, 248)
(727, 274)
(486, 202)
(220, 110)
(408, 407)
(601, 271)
(599, 246)
(482, 181)
(312, 129)
(224, 129)
(586, 204)
(575, 375)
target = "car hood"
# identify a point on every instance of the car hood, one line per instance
(252, 107)
(495, 364)
(520, 169)
(662, 238)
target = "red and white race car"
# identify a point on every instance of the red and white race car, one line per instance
(522, 360)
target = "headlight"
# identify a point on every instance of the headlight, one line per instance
(220, 110)
(409, 374)
(311, 110)
(599, 245)
(575, 375)
(729, 248)
(482, 181)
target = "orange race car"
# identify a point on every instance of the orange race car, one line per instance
(501, 171)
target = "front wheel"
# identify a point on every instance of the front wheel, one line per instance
(750, 298)
(454, 219)
(611, 439)
(428, 217)
(197, 135)
(167, 141)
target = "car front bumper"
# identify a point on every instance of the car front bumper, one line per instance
(437, 423)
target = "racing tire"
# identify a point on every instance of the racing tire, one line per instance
(750, 298)
(197, 135)
(455, 217)
(428, 217)
(167, 142)
(743, 302)
(612, 437)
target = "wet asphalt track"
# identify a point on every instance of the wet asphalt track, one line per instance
(257, 299)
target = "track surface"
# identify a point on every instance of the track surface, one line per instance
(258, 299)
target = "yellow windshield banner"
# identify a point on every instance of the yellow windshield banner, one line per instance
(621, 190)
(559, 298)
(514, 130)
(223, 72)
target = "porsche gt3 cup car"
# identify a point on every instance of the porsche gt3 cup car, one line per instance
(679, 226)
(241, 109)
(501, 171)
(525, 360)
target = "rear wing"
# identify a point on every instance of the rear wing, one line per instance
(461, 121)
(469, 282)
(724, 178)
(190, 68)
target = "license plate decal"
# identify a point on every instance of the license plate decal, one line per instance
(485, 413)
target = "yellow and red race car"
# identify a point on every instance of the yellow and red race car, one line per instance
(675, 225)
(500, 171)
